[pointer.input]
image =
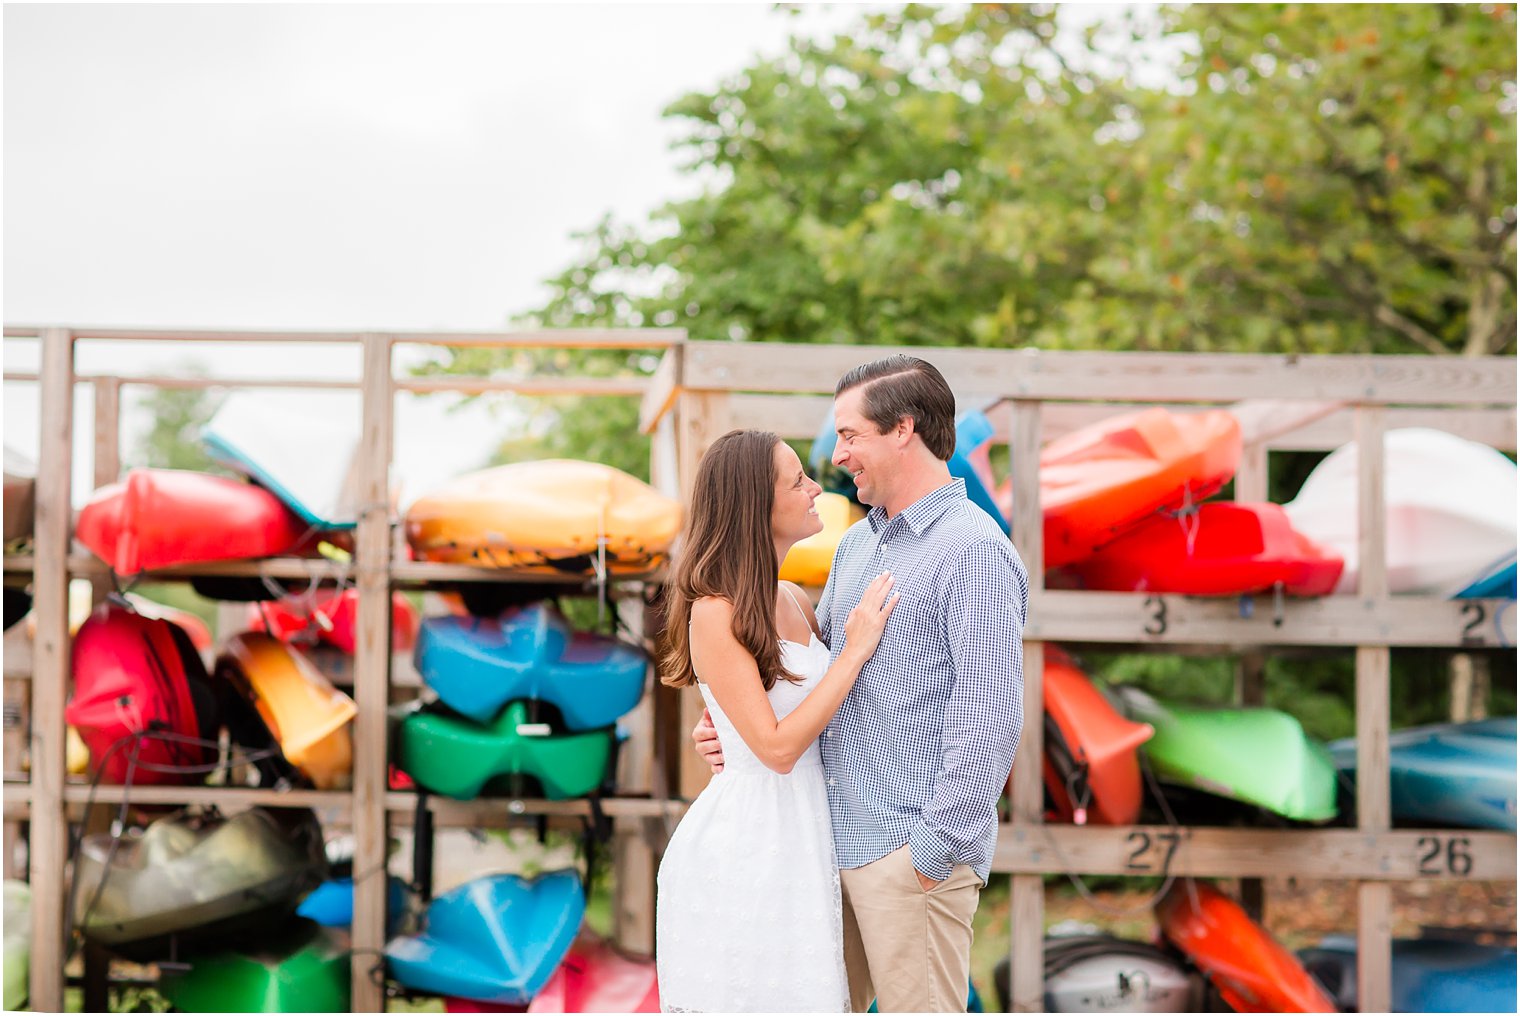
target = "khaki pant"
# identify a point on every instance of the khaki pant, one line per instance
(908, 949)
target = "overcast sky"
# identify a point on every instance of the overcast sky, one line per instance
(409, 167)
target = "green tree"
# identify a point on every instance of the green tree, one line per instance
(173, 438)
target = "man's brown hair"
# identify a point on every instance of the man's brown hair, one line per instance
(899, 386)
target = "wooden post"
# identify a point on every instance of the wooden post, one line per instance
(107, 454)
(48, 852)
(703, 417)
(633, 862)
(372, 677)
(1027, 894)
(1374, 813)
(1251, 668)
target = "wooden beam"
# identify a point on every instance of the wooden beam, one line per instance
(1223, 852)
(371, 676)
(664, 386)
(1182, 377)
(535, 386)
(557, 338)
(1253, 621)
(799, 416)
(107, 394)
(49, 847)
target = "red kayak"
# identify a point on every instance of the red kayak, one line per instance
(154, 518)
(287, 618)
(1226, 548)
(597, 978)
(1099, 481)
(131, 673)
(1251, 970)
(1090, 750)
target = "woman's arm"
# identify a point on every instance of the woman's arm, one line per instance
(725, 666)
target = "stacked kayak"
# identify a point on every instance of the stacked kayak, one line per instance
(494, 939)
(1226, 548)
(18, 942)
(155, 518)
(304, 713)
(210, 876)
(306, 971)
(20, 496)
(331, 904)
(1456, 774)
(1256, 755)
(269, 437)
(1099, 481)
(1496, 582)
(1429, 975)
(1091, 766)
(809, 561)
(457, 757)
(1101, 973)
(1450, 510)
(478, 665)
(192, 625)
(556, 515)
(594, 977)
(332, 617)
(1250, 969)
(132, 674)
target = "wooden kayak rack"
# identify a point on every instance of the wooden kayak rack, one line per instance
(699, 391)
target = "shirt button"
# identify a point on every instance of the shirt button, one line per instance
(831, 781)
(828, 731)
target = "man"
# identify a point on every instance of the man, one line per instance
(920, 750)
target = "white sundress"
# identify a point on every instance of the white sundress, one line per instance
(748, 912)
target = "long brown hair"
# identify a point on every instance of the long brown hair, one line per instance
(727, 550)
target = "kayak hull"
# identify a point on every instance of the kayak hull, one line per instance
(1099, 481)
(1256, 755)
(155, 518)
(286, 620)
(1429, 975)
(494, 939)
(1097, 752)
(594, 977)
(547, 516)
(308, 972)
(132, 673)
(1226, 549)
(1101, 973)
(458, 758)
(1252, 972)
(1454, 774)
(809, 561)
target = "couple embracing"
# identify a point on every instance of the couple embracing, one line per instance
(839, 852)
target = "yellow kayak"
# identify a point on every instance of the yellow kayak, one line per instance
(809, 561)
(307, 716)
(545, 516)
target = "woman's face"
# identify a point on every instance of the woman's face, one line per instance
(793, 518)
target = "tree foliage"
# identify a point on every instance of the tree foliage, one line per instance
(173, 437)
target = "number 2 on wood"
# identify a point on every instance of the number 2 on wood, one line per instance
(1458, 859)
(1475, 615)
(1142, 845)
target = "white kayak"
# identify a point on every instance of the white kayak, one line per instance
(1450, 512)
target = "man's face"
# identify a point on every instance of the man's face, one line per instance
(868, 455)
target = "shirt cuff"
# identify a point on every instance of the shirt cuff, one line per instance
(930, 857)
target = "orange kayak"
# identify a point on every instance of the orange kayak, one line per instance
(547, 516)
(1090, 750)
(1099, 481)
(1252, 971)
(154, 518)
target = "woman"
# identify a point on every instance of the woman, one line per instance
(748, 914)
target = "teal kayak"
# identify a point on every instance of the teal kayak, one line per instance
(1451, 774)
(1256, 755)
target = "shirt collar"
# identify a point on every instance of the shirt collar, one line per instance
(921, 513)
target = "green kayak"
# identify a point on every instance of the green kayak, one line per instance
(454, 756)
(18, 941)
(1256, 755)
(308, 973)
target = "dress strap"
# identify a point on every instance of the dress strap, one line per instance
(793, 597)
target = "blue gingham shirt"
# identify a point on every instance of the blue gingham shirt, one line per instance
(922, 746)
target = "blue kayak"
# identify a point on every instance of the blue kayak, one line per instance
(331, 904)
(1458, 774)
(1498, 583)
(478, 665)
(1429, 975)
(494, 939)
(973, 433)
